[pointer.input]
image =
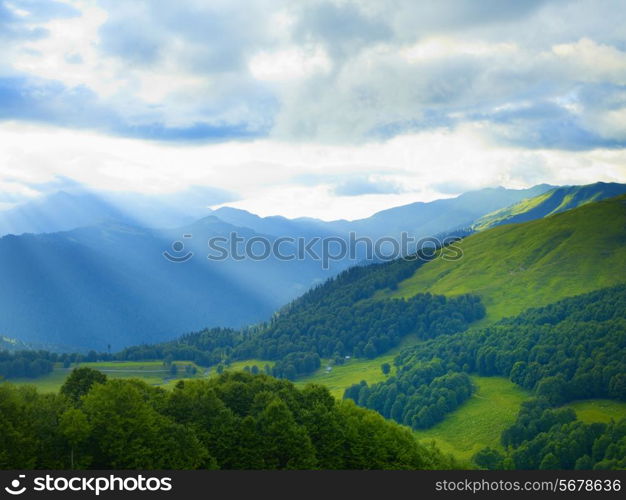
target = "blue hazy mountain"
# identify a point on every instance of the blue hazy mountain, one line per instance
(110, 284)
(59, 211)
(418, 219)
(278, 225)
(78, 206)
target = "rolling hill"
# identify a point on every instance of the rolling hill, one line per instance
(509, 268)
(516, 266)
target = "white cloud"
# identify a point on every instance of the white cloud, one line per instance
(446, 47)
(323, 70)
(591, 61)
(391, 99)
(289, 64)
(47, 57)
(268, 175)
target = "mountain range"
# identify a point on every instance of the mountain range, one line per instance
(108, 285)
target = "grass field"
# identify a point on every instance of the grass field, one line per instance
(480, 420)
(151, 372)
(48, 383)
(517, 266)
(154, 373)
(354, 370)
(598, 410)
(240, 365)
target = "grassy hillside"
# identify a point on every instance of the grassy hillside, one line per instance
(352, 372)
(492, 409)
(554, 201)
(480, 420)
(517, 266)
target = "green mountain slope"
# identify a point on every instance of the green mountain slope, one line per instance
(517, 266)
(551, 202)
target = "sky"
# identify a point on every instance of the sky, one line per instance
(329, 109)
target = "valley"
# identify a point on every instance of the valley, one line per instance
(524, 332)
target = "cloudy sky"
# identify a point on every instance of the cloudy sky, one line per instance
(326, 108)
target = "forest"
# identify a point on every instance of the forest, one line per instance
(573, 349)
(234, 421)
(419, 399)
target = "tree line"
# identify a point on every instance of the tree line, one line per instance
(418, 398)
(299, 337)
(338, 318)
(26, 364)
(366, 329)
(234, 421)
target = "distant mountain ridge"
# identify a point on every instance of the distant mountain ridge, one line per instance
(419, 219)
(109, 283)
(503, 271)
(428, 219)
(79, 206)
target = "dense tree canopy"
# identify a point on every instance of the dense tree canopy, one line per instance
(235, 421)
(419, 398)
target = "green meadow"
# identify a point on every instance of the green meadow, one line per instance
(598, 410)
(241, 365)
(340, 377)
(151, 372)
(480, 420)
